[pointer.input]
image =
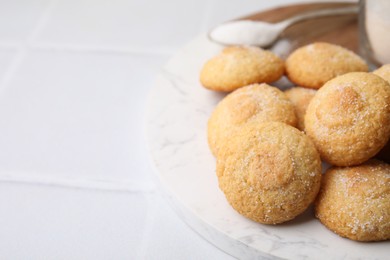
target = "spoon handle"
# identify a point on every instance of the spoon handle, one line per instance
(318, 13)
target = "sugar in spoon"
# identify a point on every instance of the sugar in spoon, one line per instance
(264, 34)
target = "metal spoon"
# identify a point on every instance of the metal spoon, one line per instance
(263, 34)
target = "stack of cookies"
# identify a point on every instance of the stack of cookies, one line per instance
(269, 144)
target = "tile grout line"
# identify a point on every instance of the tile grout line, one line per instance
(99, 49)
(43, 20)
(205, 24)
(23, 48)
(113, 50)
(12, 68)
(13, 46)
(149, 225)
(31, 44)
(92, 184)
(22, 51)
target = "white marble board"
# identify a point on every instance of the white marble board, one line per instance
(178, 110)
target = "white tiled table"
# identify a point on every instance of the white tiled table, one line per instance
(75, 176)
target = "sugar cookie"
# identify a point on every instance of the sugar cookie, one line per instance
(300, 97)
(349, 118)
(253, 103)
(270, 172)
(314, 64)
(383, 72)
(354, 202)
(238, 66)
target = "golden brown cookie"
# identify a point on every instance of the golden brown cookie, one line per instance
(238, 66)
(253, 103)
(300, 97)
(383, 72)
(349, 118)
(270, 172)
(354, 202)
(314, 64)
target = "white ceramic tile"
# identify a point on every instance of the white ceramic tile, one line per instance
(6, 58)
(77, 116)
(152, 24)
(19, 17)
(171, 238)
(53, 223)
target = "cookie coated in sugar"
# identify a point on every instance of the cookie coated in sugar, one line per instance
(301, 98)
(354, 202)
(313, 65)
(238, 66)
(255, 103)
(269, 173)
(349, 118)
(383, 72)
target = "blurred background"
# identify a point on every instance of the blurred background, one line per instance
(76, 180)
